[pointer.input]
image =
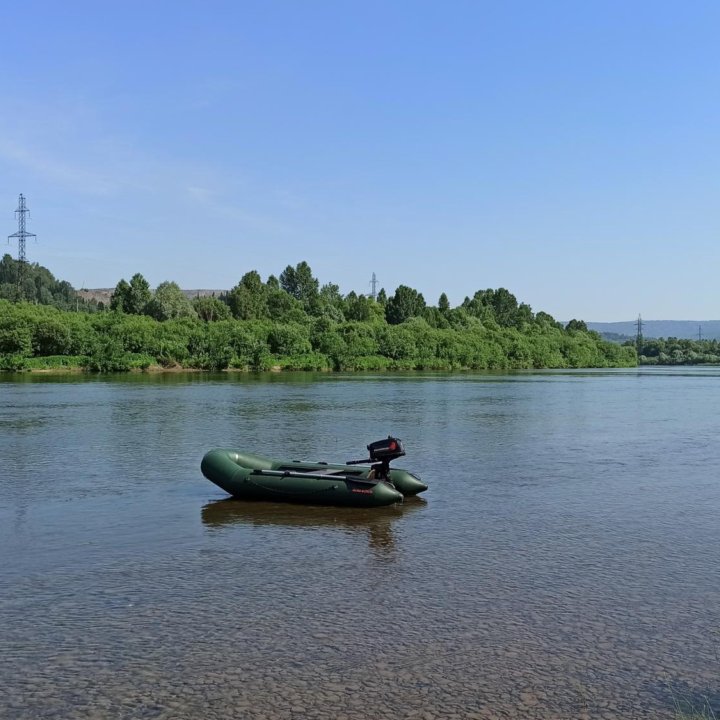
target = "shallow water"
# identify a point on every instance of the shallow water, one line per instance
(563, 564)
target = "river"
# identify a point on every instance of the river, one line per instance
(565, 562)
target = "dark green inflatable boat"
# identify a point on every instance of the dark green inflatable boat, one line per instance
(253, 477)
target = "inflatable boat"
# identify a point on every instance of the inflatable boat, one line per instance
(360, 483)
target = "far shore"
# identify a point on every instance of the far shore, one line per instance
(178, 369)
(152, 370)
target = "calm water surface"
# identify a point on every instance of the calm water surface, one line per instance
(565, 562)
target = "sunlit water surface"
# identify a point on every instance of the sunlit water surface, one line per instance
(563, 564)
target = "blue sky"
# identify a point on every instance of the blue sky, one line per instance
(568, 151)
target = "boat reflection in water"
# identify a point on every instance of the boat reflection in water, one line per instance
(376, 523)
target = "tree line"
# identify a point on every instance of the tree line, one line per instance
(674, 351)
(291, 322)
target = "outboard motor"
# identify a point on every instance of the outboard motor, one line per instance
(386, 450)
(382, 452)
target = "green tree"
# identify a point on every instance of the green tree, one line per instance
(435, 317)
(169, 301)
(8, 270)
(576, 326)
(284, 308)
(505, 307)
(132, 297)
(139, 296)
(403, 305)
(330, 294)
(329, 303)
(210, 309)
(358, 307)
(299, 283)
(248, 300)
(120, 299)
(480, 306)
(523, 316)
(547, 320)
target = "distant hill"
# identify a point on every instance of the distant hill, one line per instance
(687, 329)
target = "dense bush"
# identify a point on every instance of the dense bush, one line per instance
(116, 341)
(294, 324)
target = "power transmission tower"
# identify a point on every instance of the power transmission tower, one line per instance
(22, 235)
(639, 336)
(373, 285)
(700, 332)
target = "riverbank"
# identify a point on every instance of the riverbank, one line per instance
(60, 365)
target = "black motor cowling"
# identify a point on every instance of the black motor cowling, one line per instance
(386, 450)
